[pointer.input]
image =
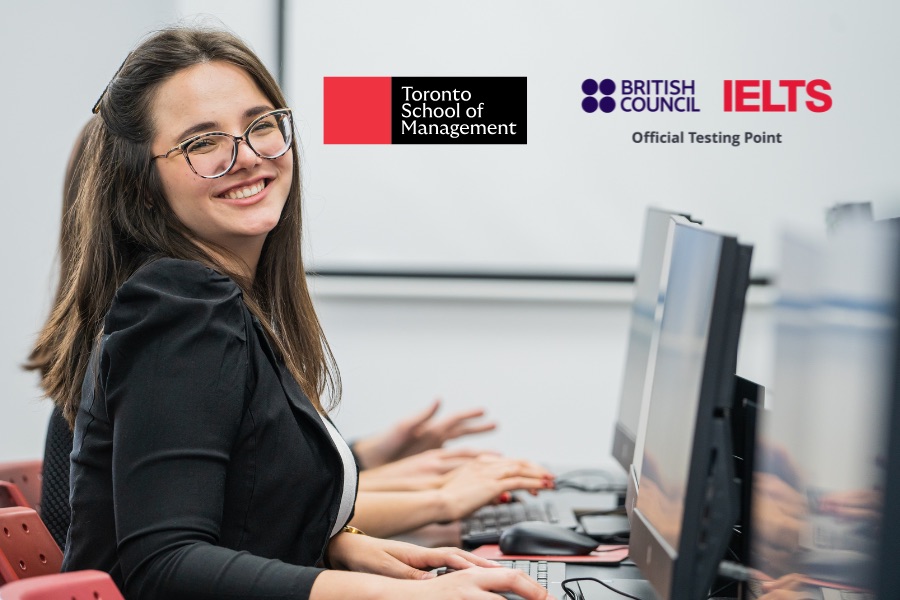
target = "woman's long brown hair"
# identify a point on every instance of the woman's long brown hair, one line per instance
(120, 219)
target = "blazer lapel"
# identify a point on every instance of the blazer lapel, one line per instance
(300, 404)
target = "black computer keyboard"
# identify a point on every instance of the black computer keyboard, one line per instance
(541, 571)
(486, 524)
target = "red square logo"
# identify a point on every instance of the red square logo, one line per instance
(357, 110)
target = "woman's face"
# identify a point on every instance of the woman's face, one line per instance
(240, 208)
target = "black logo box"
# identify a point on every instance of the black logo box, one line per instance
(505, 102)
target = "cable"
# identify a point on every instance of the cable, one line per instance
(576, 580)
(713, 594)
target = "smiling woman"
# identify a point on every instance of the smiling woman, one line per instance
(184, 348)
(239, 195)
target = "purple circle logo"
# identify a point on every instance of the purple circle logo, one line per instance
(606, 87)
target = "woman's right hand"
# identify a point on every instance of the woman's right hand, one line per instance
(480, 582)
(387, 569)
(471, 583)
(484, 479)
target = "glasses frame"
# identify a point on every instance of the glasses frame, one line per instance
(237, 139)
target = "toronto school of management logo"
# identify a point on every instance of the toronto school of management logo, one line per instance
(680, 95)
(425, 110)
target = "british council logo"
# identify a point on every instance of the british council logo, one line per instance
(590, 87)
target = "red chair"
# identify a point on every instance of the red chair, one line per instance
(26, 474)
(11, 496)
(26, 547)
(75, 585)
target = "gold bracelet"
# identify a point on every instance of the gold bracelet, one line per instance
(352, 529)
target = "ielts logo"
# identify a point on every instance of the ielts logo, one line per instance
(766, 95)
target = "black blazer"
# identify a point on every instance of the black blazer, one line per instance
(199, 467)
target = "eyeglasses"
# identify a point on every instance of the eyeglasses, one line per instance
(213, 154)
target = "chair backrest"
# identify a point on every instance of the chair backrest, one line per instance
(26, 474)
(26, 547)
(75, 585)
(55, 511)
(10, 495)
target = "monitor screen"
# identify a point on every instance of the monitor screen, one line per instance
(820, 469)
(687, 432)
(638, 360)
(887, 578)
(781, 445)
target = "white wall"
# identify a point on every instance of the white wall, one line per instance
(57, 56)
(570, 198)
(546, 360)
(545, 350)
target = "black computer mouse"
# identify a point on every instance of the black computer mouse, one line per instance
(537, 537)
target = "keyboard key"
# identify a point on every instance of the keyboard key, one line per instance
(487, 523)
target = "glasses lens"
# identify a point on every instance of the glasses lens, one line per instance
(271, 136)
(211, 154)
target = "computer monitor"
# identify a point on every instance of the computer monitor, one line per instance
(638, 361)
(887, 576)
(778, 497)
(823, 447)
(688, 501)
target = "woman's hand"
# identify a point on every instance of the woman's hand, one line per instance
(422, 471)
(474, 576)
(462, 491)
(853, 504)
(470, 583)
(417, 434)
(789, 587)
(478, 583)
(365, 554)
(485, 479)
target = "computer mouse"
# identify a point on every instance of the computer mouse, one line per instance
(537, 537)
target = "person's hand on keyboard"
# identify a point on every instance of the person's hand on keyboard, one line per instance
(790, 587)
(863, 504)
(422, 471)
(480, 481)
(489, 479)
(408, 569)
(780, 516)
(509, 583)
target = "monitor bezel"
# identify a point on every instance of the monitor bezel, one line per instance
(711, 497)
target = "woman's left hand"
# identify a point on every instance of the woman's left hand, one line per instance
(365, 554)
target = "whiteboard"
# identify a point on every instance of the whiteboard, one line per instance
(572, 199)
